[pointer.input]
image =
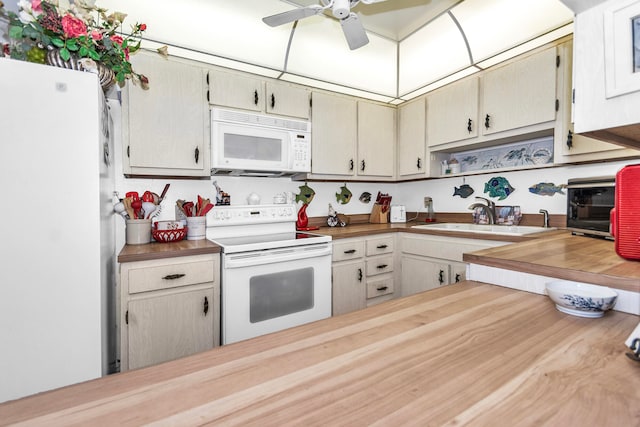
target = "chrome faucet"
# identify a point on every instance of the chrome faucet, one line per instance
(545, 217)
(489, 207)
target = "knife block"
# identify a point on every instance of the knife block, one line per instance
(377, 216)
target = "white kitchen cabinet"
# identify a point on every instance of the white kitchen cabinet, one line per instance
(517, 100)
(168, 308)
(452, 112)
(376, 140)
(606, 80)
(412, 158)
(166, 128)
(235, 90)
(520, 94)
(570, 146)
(348, 276)
(334, 133)
(428, 261)
(363, 272)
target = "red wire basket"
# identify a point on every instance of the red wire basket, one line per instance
(166, 236)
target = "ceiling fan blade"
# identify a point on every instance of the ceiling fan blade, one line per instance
(292, 15)
(354, 31)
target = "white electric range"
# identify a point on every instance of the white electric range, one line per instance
(272, 276)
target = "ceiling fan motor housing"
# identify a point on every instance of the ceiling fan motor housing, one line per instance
(341, 8)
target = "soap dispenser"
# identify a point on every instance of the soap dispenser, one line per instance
(428, 203)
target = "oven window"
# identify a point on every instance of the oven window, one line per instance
(279, 294)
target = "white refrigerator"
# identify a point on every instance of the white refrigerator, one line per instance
(57, 248)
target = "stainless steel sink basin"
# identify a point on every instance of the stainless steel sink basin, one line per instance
(503, 230)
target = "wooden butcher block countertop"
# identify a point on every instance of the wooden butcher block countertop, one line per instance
(565, 256)
(464, 354)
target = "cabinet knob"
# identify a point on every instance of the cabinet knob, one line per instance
(255, 97)
(487, 121)
(419, 163)
(359, 275)
(206, 306)
(196, 154)
(351, 164)
(362, 166)
(441, 277)
(469, 123)
(273, 101)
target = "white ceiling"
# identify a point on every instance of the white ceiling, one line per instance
(394, 19)
(415, 45)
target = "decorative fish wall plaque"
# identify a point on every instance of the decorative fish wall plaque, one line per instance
(344, 196)
(499, 187)
(306, 194)
(547, 189)
(365, 197)
(463, 191)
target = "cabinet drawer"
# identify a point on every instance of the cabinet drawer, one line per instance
(382, 245)
(170, 276)
(348, 250)
(378, 287)
(379, 265)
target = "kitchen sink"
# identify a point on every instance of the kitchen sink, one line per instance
(504, 230)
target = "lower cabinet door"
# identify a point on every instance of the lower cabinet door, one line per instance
(169, 326)
(419, 274)
(349, 287)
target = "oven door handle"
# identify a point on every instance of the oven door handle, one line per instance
(249, 259)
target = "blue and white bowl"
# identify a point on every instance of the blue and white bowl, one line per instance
(581, 299)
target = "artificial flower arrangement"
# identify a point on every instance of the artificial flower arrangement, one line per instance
(78, 30)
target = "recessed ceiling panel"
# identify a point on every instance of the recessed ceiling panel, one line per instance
(319, 50)
(431, 53)
(214, 26)
(492, 26)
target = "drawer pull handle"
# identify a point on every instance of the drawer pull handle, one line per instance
(359, 275)
(441, 277)
(173, 276)
(458, 277)
(350, 251)
(206, 306)
(382, 288)
(381, 246)
(381, 266)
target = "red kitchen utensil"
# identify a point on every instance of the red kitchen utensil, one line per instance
(137, 206)
(133, 195)
(164, 192)
(147, 196)
(187, 207)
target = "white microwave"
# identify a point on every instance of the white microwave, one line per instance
(250, 144)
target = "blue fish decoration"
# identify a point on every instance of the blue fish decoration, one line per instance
(498, 187)
(547, 188)
(463, 191)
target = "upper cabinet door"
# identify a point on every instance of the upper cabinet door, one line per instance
(166, 127)
(452, 112)
(376, 139)
(522, 93)
(411, 139)
(333, 134)
(287, 100)
(236, 91)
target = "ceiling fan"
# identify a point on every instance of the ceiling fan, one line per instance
(341, 9)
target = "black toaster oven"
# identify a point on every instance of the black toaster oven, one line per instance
(589, 203)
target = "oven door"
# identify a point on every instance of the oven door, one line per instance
(270, 290)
